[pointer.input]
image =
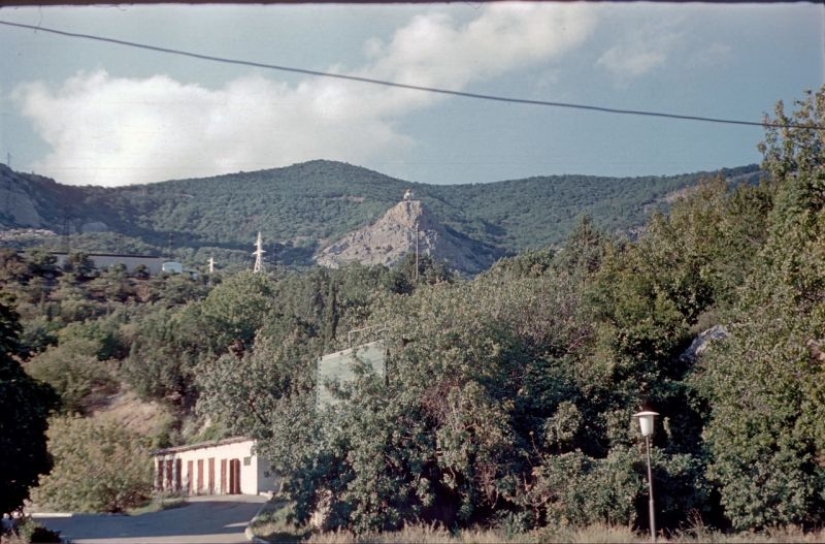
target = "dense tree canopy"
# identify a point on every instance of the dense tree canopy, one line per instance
(25, 405)
(765, 432)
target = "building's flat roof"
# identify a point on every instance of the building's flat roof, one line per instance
(108, 255)
(202, 445)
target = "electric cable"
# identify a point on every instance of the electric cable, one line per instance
(421, 88)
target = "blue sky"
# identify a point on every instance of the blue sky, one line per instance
(84, 112)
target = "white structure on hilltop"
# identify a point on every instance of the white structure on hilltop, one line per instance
(223, 467)
(259, 255)
(211, 265)
(408, 194)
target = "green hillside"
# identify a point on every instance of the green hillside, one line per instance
(302, 207)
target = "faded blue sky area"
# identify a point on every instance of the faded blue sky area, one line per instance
(86, 112)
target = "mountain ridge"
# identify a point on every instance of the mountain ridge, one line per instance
(304, 207)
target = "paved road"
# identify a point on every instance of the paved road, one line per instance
(203, 520)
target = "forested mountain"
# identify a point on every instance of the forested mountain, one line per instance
(303, 207)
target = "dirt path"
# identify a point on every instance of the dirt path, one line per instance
(203, 520)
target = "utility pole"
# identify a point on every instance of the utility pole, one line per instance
(259, 254)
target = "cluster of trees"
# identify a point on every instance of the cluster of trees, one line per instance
(78, 335)
(508, 397)
(68, 334)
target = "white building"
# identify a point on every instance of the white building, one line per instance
(223, 467)
(153, 264)
(172, 267)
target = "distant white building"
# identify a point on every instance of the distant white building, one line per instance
(223, 467)
(172, 267)
(153, 264)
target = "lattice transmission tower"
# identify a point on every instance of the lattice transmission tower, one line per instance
(259, 256)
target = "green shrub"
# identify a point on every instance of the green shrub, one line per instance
(73, 372)
(579, 491)
(30, 531)
(97, 467)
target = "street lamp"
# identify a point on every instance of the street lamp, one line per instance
(646, 426)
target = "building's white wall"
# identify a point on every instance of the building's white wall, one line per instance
(250, 469)
(173, 267)
(249, 475)
(153, 264)
(267, 481)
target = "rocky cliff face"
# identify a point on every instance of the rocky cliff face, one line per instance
(34, 205)
(17, 203)
(392, 237)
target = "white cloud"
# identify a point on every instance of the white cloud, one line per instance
(434, 50)
(642, 50)
(712, 54)
(114, 131)
(623, 61)
(107, 130)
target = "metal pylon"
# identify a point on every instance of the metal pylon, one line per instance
(259, 254)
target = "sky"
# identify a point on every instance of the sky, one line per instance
(84, 112)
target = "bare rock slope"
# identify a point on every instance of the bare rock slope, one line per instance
(392, 237)
(17, 205)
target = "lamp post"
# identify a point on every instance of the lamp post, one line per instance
(646, 426)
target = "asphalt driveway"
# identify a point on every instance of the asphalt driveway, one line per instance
(203, 520)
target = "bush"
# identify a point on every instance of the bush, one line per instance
(97, 468)
(30, 531)
(73, 372)
(579, 491)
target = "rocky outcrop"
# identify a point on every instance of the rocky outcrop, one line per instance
(701, 343)
(406, 228)
(17, 207)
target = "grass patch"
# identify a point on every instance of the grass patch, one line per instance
(597, 534)
(420, 534)
(274, 524)
(780, 535)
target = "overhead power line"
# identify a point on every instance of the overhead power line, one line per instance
(421, 88)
